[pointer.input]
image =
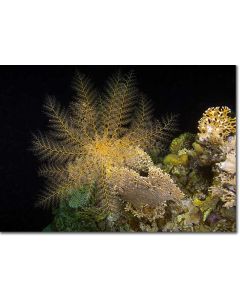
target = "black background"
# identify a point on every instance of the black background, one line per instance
(186, 90)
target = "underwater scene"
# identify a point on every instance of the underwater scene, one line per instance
(109, 163)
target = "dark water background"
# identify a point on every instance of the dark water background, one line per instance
(186, 90)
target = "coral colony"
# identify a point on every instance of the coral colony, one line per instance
(107, 169)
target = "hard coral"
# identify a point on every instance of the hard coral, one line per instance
(218, 139)
(209, 179)
(216, 125)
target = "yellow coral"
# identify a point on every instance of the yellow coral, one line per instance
(216, 125)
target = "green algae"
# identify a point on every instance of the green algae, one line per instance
(176, 160)
(184, 140)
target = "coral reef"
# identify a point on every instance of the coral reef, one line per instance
(108, 168)
(210, 177)
(225, 179)
(97, 134)
(99, 141)
(218, 140)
